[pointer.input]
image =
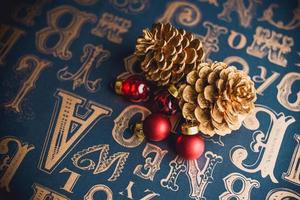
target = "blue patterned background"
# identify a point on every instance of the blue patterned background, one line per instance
(259, 161)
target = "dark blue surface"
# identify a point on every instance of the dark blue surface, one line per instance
(32, 123)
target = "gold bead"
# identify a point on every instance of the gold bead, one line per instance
(118, 87)
(138, 131)
(173, 90)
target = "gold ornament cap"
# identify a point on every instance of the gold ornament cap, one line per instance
(138, 131)
(173, 90)
(118, 87)
(189, 129)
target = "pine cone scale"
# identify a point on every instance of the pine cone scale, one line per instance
(191, 55)
(167, 44)
(224, 97)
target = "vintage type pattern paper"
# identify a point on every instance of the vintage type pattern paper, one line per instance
(64, 134)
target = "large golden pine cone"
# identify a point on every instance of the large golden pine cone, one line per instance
(217, 98)
(168, 53)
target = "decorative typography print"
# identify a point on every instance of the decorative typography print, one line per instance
(96, 188)
(198, 179)
(90, 153)
(264, 80)
(129, 194)
(293, 173)
(130, 64)
(151, 165)
(130, 6)
(177, 166)
(185, 13)
(265, 145)
(112, 27)
(66, 34)
(245, 14)
(71, 181)
(210, 39)
(272, 44)
(43, 193)
(236, 59)
(282, 194)
(25, 62)
(8, 37)
(121, 123)
(68, 127)
(31, 12)
(233, 37)
(10, 162)
(284, 90)
(244, 193)
(92, 55)
(103, 163)
(269, 14)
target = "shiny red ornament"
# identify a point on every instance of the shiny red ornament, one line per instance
(156, 127)
(190, 147)
(135, 88)
(165, 103)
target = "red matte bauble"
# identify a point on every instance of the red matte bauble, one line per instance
(135, 88)
(190, 147)
(156, 127)
(165, 103)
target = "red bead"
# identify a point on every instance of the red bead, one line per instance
(190, 147)
(134, 88)
(156, 127)
(165, 103)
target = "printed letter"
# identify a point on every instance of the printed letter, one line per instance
(151, 164)
(68, 127)
(10, 163)
(66, 34)
(25, 62)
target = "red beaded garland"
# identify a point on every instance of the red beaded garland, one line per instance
(190, 147)
(164, 102)
(156, 127)
(135, 88)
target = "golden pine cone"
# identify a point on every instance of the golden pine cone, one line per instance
(217, 98)
(168, 53)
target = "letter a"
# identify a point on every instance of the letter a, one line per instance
(68, 127)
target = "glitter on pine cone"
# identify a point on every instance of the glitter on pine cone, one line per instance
(168, 53)
(217, 98)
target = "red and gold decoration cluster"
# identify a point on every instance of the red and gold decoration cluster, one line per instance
(213, 98)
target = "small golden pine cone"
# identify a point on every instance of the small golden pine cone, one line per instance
(168, 53)
(217, 98)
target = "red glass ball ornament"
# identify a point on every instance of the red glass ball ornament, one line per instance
(165, 103)
(156, 127)
(135, 88)
(190, 147)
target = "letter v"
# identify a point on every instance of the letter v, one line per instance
(68, 127)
